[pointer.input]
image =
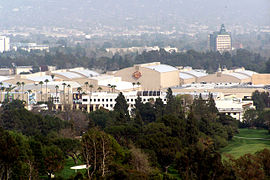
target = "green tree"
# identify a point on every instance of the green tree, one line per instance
(121, 107)
(70, 147)
(53, 159)
(98, 149)
(9, 154)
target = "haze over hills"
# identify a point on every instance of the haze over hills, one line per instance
(132, 13)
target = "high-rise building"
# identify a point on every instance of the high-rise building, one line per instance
(4, 44)
(220, 41)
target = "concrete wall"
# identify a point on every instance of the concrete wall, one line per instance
(187, 81)
(150, 79)
(261, 79)
(169, 79)
(222, 78)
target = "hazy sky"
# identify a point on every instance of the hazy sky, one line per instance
(132, 12)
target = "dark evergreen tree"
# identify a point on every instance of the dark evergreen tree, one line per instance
(121, 107)
(192, 131)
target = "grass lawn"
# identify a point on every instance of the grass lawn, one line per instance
(67, 172)
(238, 147)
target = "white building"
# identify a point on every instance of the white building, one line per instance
(234, 107)
(4, 44)
(107, 100)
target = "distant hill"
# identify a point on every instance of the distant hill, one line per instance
(89, 13)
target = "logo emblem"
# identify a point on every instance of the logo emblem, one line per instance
(137, 74)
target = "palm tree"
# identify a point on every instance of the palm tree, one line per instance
(41, 83)
(86, 86)
(8, 90)
(91, 87)
(113, 88)
(1, 84)
(68, 86)
(79, 89)
(109, 85)
(19, 86)
(56, 91)
(52, 77)
(64, 91)
(22, 83)
(138, 83)
(99, 88)
(46, 82)
(2, 89)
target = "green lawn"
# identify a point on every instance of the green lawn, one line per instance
(67, 172)
(238, 147)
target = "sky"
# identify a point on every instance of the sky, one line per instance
(121, 13)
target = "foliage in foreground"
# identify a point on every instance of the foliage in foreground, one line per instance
(148, 144)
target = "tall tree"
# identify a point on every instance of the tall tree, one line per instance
(41, 94)
(64, 92)
(23, 83)
(46, 83)
(9, 154)
(18, 85)
(121, 107)
(53, 159)
(97, 152)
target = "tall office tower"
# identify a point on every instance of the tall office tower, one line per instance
(220, 41)
(4, 44)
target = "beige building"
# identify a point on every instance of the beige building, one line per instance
(261, 79)
(151, 76)
(188, 75)
(6, 71)
(239, 75)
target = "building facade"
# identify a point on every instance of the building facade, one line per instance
(4, 44)
(220, 41)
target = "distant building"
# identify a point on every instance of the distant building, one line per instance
(33, 46)
(151, 76)
(4, 44)
(220, 41)
(140, 49)
(23, 69)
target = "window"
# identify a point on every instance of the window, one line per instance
(111, 105)
(234, 113)
(127, 100)
(95, 100)
(98, 100)
(84, 100)
(111, 100)
(131, 100)
(102, 100)
(107, 100)
(107, 105)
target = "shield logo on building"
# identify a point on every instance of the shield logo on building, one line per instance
(137, 74)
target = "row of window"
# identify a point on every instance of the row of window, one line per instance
(148, 93)
(111, 100)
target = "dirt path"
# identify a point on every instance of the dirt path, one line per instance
(252, 138)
